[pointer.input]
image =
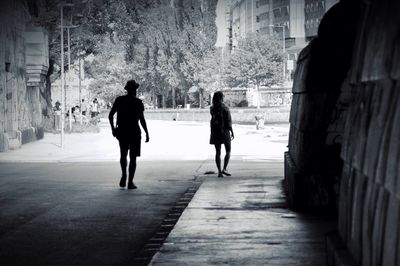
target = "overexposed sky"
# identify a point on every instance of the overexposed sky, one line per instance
(220, 21)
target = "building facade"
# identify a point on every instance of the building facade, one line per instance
(23, 67)
(76, 87)
(294, 21)
(283, 17)
(313, 11)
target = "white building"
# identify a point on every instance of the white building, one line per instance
(75, 88)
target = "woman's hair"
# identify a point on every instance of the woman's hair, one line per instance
(217, 98)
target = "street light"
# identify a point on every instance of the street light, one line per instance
(63, 100)
(69, 69)
(62, 5)
(283, 46)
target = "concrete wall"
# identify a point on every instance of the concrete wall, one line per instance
(239, 115)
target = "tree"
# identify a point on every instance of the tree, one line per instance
(198, 45)
(165, 44)
(256, 61)
(174, 38)
(110, 69)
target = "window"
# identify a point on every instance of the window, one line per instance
(257, 18)
(285, 11)
(257, 4)
(264, 16)
(277, 13)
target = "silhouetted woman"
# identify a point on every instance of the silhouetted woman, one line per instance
(221, 131)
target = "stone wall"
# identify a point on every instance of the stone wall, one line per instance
(363, 123)
(19, 104)
(369, 207)
(312, 164)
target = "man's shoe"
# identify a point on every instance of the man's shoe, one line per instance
(131, 185)
(122, 182)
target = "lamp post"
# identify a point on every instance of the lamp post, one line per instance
(62, 5)
(62, 78)
(283, 47)
(69, 67)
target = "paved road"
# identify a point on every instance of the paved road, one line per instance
(74, 213)
(70, 211)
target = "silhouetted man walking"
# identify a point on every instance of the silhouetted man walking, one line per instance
(129, 111)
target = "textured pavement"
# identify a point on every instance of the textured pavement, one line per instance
(244, 220)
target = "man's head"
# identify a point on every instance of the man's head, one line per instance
(131, 86)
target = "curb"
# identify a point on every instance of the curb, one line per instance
(155, 243)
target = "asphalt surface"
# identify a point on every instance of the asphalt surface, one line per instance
(66, 208)
(75, 213)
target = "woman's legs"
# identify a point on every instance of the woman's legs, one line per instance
(218, 158)
(227, 157)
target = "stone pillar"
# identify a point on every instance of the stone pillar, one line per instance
(13, 17)
(37, 63)
(23, 66)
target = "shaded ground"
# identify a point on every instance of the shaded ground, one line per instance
(70, 211)
(244, 220)
(75, 214)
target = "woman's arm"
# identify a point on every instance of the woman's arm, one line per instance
(229, 123)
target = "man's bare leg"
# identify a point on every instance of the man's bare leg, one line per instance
(123, 162)
(132, 170)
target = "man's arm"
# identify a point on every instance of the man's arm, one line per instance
(111, 117)
(144, 125)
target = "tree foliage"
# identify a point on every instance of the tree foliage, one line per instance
(168, 45)
(256, 61)
(175, 38)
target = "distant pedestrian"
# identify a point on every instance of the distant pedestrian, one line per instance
(57, 115)
(84, 107)
(95, 108)
(221, 131)
(129, 111)
(76, 113)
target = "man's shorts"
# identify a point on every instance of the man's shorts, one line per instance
(132, 143)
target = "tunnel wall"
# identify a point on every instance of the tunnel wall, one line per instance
(369, 202)
(312, 163)
(364, 121)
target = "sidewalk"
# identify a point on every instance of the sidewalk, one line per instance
(244, 220)
(169, 140)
